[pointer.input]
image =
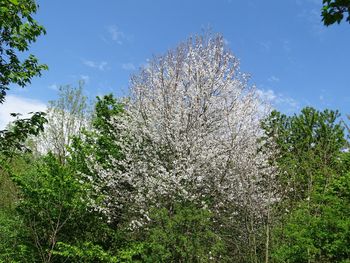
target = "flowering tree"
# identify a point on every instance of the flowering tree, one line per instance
(190, 132)
(66, 117)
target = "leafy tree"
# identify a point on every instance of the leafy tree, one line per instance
(309, 147)
(319, 231)
(311, 163)
(106, 109)
(334, 11)
(52, 205)
(98, 140)
(12, 145)
(18, 30)
(102, 243)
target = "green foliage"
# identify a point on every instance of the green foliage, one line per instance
(12, 140)
(47, 204)
(14, 245)
(297, 245)
(318, 231)
(312, 219)
(309, 147)
(333, 11)
(183, 234)
(17, 165)
(51, 200)
(51, 207)
(48, 215)
(106, 108)
(8, 191)
(18, 30)
(100, 141)
(87, 252)
(99, 144)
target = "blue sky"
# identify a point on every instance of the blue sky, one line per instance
(293, 59)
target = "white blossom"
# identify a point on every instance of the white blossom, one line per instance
(190, 131)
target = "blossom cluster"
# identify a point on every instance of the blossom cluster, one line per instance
(190, 131)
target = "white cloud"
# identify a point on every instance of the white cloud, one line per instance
(312, 18)
(53, 87)
(116, 34)
(280, 100)
(267, 95)
(265, 45)
(273, 79)
(128, 66)
(15, 104)
(98, 65)
(288, 101)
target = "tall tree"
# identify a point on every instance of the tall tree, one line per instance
(98, 140)
(310, 162)
(190, 133)
(309, 144)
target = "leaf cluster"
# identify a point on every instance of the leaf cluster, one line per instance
(334, 11)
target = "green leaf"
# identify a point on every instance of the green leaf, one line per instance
(15, 2)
